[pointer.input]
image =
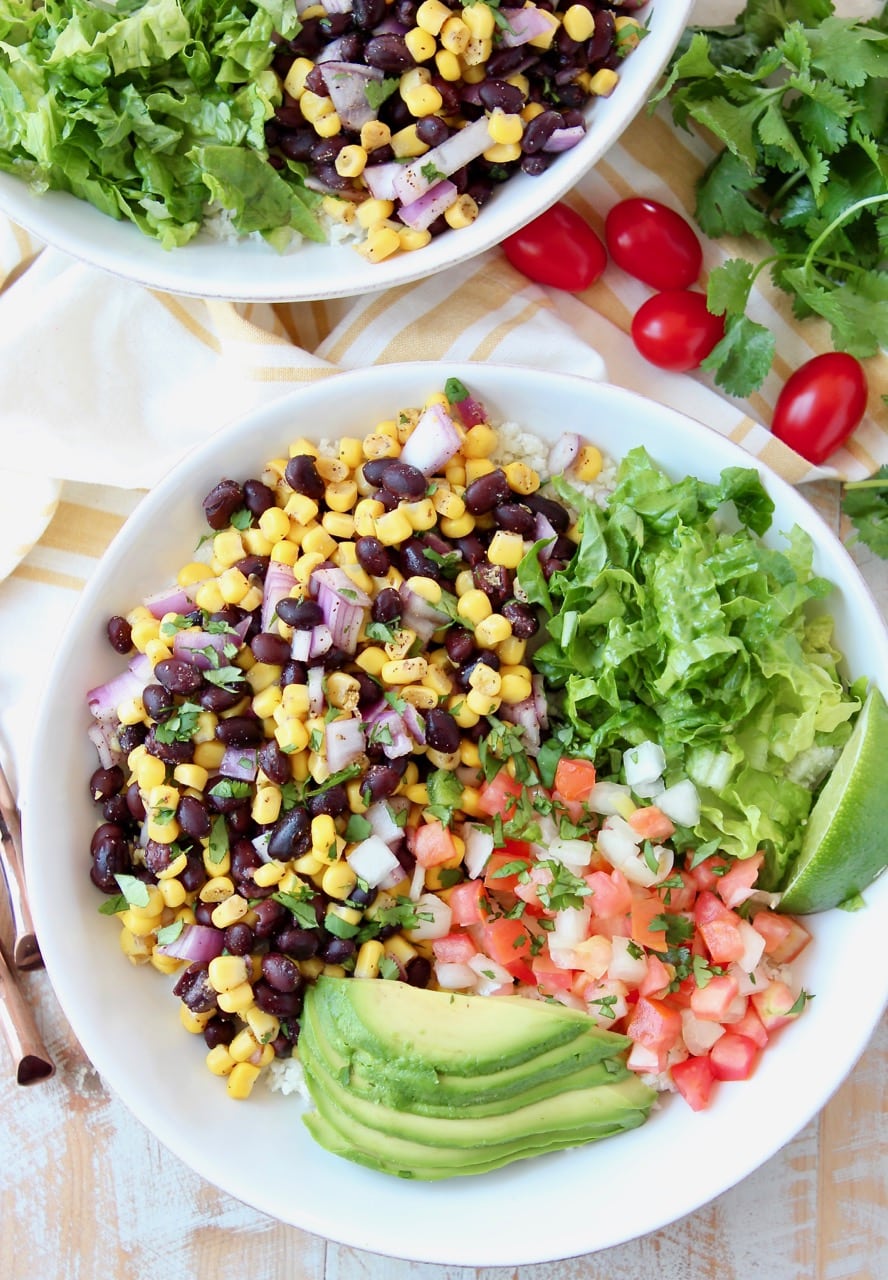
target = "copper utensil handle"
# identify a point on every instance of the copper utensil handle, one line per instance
(25, 950)
(32, 1062)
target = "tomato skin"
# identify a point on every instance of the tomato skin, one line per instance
(694, 1080)
(821, 405)
(653, 243)
(674, 329)
(558, 248)
(574, 779)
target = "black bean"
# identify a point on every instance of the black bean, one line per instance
(351, 46)
(157, 856)
(275, 763)
(221, 503)
(299, 943)
(361, 897)
(536, 164)
(213, 697)
(325, 150)
(258, 497)
(553, 511)
(516, 518)
(301, 474)
(203, 913)
(116, 809)
(404, 480)
(297, 144)
(239, 939)
(373, 470)
(388, 53)
(316, 83)
(178, 676)
(134, 802)
(441, 730)
(415, 562)
(372, 556)
(111, 856)
(253, 566)
(471, 548)
(539, 130)
(369, 691)
(270, 916)
(368, 14)
(218, 793)
(382, 780)
(418, 972)
(504, 62)
(283, 1004)
(337, 950)
(194, 874)
(244, 861)
(130, 736)
(158, 702)
(105, 783)
(405, 11)
(291, 835)
(432, 131)
(169, 752)
(499, 93)
(293, 672)
(522, 619)
(219, 1030)
(334, 659)
(459, 644)
(386, 606)
(194, 990)
(120, 634)
(483, 494)
(601, 41)
(270, 648)
(301, 615)
(239, 822)
(281, 972)
(240, 731)
(332, 801)
(290, 117)
(494, 580)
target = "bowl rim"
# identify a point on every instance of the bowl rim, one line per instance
(249, 272)
(351, 386)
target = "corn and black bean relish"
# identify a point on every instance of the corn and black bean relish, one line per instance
(310, 714)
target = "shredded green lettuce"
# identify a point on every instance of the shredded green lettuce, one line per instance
(674, 622)
(151, 110)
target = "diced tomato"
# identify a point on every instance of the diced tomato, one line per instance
(456, 948)
(521, 972)
(681, 996)
(733, 1057)
(644, 911)
(433, 844)
(548, 977)
(705, 873)
(514, 851)
(499, 795)
(751, 1026)
(654, 1024)
(678, 899)
(504, 940)
(468, 903)
(656, 979)
(574, 779)
(714, 1001)
(645, 1060)
(611, 893)
(694, 1079)
(736, 885)
(719, 929)
(773, 1005)
(651, 823)
(784, 937)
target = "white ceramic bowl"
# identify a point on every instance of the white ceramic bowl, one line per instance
(252, 271)
(553, 1207)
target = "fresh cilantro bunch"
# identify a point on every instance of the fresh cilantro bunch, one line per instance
(866, 505)
(798, 98)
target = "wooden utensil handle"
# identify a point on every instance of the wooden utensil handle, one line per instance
(25, 951)
(30, 1058)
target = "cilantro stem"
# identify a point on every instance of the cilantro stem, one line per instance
(837, 222)
(866, 484)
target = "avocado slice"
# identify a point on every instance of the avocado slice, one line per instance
(462, 1035)
(401, 1085)
(342, 1134)
(369, 1081)
(563, 1114)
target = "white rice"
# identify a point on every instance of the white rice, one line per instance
(285, 1075)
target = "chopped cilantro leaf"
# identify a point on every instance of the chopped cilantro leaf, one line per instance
(377, 92)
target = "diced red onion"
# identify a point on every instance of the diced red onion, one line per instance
(414, 722)
(192, 646)
(321, 641)
(331, 52)
(344, 743)
(381, 816)
(338, 580)
(342, 618)
(544, 529)
(563, 453)
(523, 25)
(240, 762)
(453, 153)
(347, 85)
(564, 139)
(524, 714)
(423, 211)
(380, 180)
(300, 645)
(279, 582)
(471, 411)
(541, 706)
(419, 614)
(315, 682)
(433, 441)
(338, 6)
(260, 844)
(172, 600)
(374, 862)
(196, 943)
(387, 727)
(101, 735)
(104, 699)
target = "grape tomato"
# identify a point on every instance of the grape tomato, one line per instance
(559, 248)
(821, 405)
(653, 243)
(675, 330)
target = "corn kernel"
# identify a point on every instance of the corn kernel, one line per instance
(220, 1061)
(264, 1026)
(522, 478)
(338, 880)
(544, 40)
(503, 152)
(480, 21)
(448, 64)
(506, 549)
(139, 931)
(152, 909)
(404, 671)
(269, 873)
(437, 679)
(463, 211)
(588, 464)
(294, 82)
(243, 1045)
(505, 128)
(400, 949)
(368, 958)
(208, 754)
(629, 32)
(484, 679)
(266, 806)
(482, 704)
(151, 775)
(407, 143)
(458, 528)
(163, 829)
(474, 606)
(419, 696)
(291, 736)
(412, 238)
(531, 110)
(454, 35)
(578, 22)
(474, 56)
(462, 713)
(421, 514)
(314, 107)
(217, 889)
(230, 911)
(227, 972)
(237, 999)
(193, 1022)
(421, 44)
(480, 441)
(351, 161)
(423, 101)
(431, 16)
(173, 892)
(157, 651)
(372, 212)
(515, 688)
(191, 775)
(318, 541)
(302, 508)
(448, 504)
(492, 631)
(190, 574)
(241, 1079)
(393, 527)
(603, 83)
(374, 134)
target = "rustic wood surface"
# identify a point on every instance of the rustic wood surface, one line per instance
(86, 1191)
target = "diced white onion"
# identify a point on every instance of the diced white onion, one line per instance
(608, 797)
(625, 967)
(644, 763)
(753, 947)
(381, 816)
(429, 904)
(490, 976)
(455, 977)
(699, 1035)
(571, 927)
(479, 847)
(573, 854)
(373, 861)
(681, 803)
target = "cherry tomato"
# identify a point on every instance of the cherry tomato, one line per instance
(558, 248)
(675, 330)
(820, 405)
(653, 243)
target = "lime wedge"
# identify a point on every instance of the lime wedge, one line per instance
(846, 840)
